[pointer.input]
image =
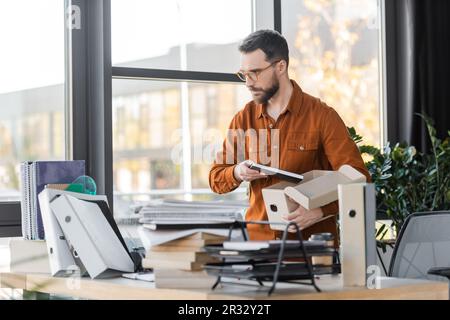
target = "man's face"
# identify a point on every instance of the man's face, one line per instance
(261, 80)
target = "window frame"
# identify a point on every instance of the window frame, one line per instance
(186, 76)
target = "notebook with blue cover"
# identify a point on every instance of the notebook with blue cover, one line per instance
(49, 172)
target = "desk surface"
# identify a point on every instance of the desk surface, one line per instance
(121, 288)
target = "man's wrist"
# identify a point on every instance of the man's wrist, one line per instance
(236, 178)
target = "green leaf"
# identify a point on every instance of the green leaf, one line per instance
(370, 150)
(355, 137)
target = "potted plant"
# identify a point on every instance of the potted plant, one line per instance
(406, 180)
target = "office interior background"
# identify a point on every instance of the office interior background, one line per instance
(141, 88)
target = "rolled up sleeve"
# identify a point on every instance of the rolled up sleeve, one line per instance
(221, 174)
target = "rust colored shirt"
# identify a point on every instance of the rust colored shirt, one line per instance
(312, 136)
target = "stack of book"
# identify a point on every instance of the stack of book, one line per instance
(186, 253)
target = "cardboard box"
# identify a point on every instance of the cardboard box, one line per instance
(318, 188)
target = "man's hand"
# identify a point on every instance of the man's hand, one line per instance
(303, 218)
(243, 173)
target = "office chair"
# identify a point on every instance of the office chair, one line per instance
(422, 250)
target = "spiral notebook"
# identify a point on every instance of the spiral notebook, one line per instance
(35, 176)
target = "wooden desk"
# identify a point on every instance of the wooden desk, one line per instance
(120, 288)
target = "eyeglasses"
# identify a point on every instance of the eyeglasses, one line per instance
(253, 74)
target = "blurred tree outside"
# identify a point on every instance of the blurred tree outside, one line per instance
(335, 58)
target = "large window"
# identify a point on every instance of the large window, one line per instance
(334, 52)
(170, 34)
(174, 90)
(211, 108)
(164, 132)
(146, 116)
(164, 127)
(158, 151)
(31, 87)
(32, 100)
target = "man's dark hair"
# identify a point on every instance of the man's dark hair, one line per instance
(271, 42)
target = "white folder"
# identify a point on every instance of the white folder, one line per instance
(62, 263)
(95, 241)
(357, 207)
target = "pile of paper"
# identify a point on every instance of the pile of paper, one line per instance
(177, 214)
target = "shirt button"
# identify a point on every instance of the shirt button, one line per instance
(301, 148)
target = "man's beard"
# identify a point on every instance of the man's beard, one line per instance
(264, 95)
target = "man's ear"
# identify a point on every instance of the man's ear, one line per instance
(282, 67)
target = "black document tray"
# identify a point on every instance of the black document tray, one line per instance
(280, 260)
(292, 250)
(264, 271)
